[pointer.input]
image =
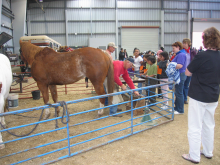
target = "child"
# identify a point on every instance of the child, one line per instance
(174, 54)
(162, 65)
(151, 72)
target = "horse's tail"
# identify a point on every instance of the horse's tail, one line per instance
(110, 81)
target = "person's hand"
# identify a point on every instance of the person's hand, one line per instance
(146, 75)
(136, 93)
(123, 87)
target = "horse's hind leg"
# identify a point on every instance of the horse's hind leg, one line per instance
(44, 90)
(99, 88)
(53, 91)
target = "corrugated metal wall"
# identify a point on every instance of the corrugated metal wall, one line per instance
(102, 12)
(6, 23)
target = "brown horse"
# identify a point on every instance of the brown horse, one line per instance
(49, 68)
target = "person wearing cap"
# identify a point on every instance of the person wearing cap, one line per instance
(121, 55)
(120, 68)
(111, 48)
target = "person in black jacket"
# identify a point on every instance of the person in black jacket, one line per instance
(121, 55)
(162, 66)
(126, 53)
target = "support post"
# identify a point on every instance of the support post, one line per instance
(91, 16)
(66, 24)
(29, 22)
(1, 12)
(162, 28)
(188, 28)
(116, 29)
(19, 10)
(189, 20)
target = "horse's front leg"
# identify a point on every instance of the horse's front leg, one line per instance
(44, 90)
(1, 119)
(53, 91)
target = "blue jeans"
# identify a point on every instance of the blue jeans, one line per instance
(186, 87)
(113, 109)
(179, 101)
(139, 84)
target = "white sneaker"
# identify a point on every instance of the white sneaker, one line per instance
(164, 107)
(177, 113)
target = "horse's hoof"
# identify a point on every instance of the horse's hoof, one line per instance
(46, 116)
(55, 115)
(2, 146)
(98, 116)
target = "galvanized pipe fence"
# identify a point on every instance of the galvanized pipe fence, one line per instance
(48, 145)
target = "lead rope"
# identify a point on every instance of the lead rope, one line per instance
(65, 111)
(24, 134)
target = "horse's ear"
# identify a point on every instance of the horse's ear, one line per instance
(20, 42)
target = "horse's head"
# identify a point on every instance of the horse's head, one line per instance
(28, 51)
(23, 51)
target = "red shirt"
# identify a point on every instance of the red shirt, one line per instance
(172, 58)
(120, 70)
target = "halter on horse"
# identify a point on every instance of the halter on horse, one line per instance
(49, 68)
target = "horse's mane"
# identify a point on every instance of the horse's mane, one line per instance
(29, 51)
(45, 51)
(106, 54)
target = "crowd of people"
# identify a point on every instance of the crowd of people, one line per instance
(197, 75)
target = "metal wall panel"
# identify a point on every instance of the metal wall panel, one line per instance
(124, 23)
(78, 40)
(168, 48)
(171, 38)
(59, 38)
(204, 5)
(48, 4)
(215, 14)
(97, 14)
(140, 3)
(79, 17)
(178, 17)
(175, 10)
(50, 14)
(6, 21)
(138, 14)
(103, 14)
(103, 36)
(82, 40)
(201, 14)
(6, 3)
(205, 0)
(97, 27)
(49, 27)
(175, 4)
(175, 27)
(87, 3)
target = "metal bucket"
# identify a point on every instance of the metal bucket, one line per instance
(12, 100)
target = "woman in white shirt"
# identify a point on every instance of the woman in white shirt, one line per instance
(137, 63)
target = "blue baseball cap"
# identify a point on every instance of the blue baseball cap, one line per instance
(130, 59)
